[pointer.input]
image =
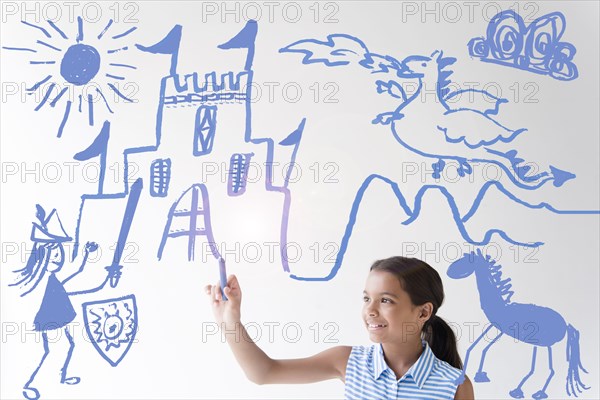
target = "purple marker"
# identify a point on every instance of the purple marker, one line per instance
(223, 276)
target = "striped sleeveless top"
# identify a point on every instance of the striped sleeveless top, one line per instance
(369, 377)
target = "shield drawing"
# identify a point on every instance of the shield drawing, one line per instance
(111, 326)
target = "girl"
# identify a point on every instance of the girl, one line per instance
(415, 354)
(56, 310)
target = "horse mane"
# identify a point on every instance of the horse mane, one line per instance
(496, 275)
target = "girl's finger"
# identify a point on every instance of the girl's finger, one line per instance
(232, 281)
(227, 291)
(212, 293)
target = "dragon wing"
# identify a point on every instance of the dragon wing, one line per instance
(474, 100)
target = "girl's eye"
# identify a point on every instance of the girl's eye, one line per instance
(365, 299)
(384, 300)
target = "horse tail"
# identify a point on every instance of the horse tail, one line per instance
(574, 384)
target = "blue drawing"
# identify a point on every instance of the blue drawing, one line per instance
(223, 277)
(206, 122)
(535, 48)
(238, 174)
(132, 202)
(292, 140)
(160, 177)
(183, 220)
(529, 323)
(198, 97)
(79, 64)
(413, 212)
(56, 310)
(447, 131)
(168, 45)
(99, 148)
(464, 134)
(111, 326)
(201, 95)
(48, 255)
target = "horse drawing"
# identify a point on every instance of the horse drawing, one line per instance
(529, 323)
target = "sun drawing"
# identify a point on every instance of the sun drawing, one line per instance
(114, 324)
(88, 64)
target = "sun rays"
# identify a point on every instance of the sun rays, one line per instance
(86, 66)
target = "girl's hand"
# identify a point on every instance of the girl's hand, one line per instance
(227, 311)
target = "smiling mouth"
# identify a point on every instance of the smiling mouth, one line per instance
(376, 326)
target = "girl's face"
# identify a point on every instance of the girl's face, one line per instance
(56, 258)
(388, 312)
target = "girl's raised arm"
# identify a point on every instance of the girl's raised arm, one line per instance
(89, 247)
(257, 365)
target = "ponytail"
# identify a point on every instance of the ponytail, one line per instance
(442, 341)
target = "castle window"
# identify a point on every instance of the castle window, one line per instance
(160, 176)
(238, 173)
(204, 129)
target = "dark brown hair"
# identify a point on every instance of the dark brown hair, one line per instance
(423, 284)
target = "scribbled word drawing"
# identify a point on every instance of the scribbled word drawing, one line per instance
(536, 48)
(529, 323)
